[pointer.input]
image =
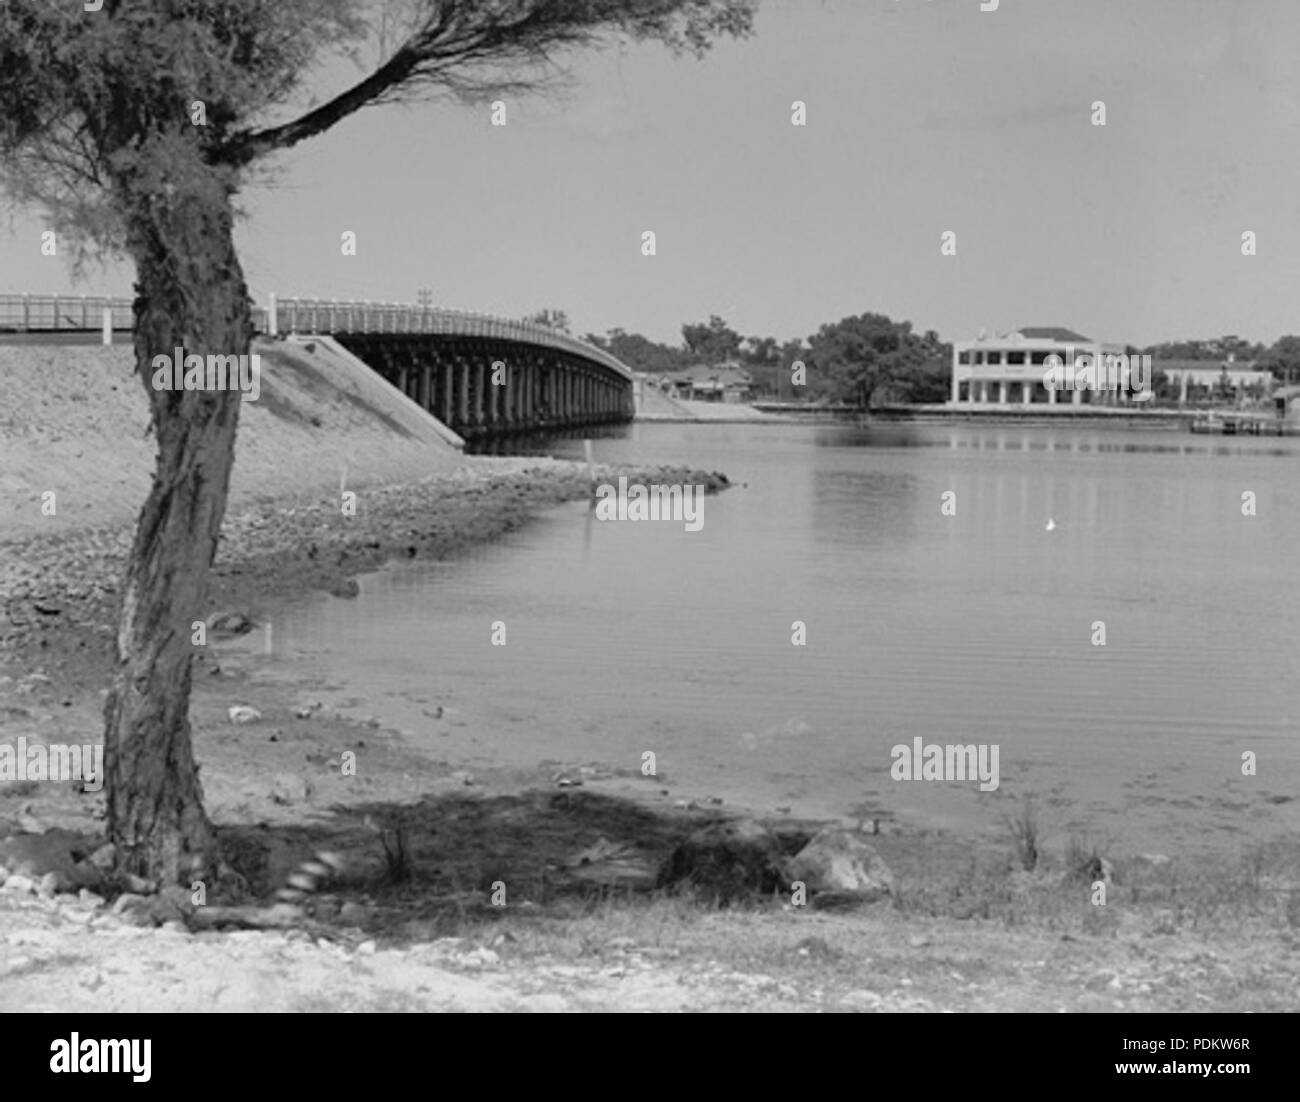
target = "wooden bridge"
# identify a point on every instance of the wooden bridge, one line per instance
(481, 376)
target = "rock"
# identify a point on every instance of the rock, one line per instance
(302, 882)
(4, 874)
(334, 860)
(617, 864)
(171, 905)
(86, 875)
(366, 947)
(104, 857)
(138, 885)
(289, 788)
(485, 957)
(841, 863)
(862, 999)
(243, 714)
(50, 885)
(729, 860)
(129, 901)
(316, 869)
(346, 588)
(461, 776)
(89, 899)
(283, 914)
(21, 884)
(230, 623)
(353, 914)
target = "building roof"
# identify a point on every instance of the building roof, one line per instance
(1052, 333)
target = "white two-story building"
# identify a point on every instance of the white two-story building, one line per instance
(1009, 368)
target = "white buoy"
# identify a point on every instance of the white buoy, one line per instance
(1051, 524)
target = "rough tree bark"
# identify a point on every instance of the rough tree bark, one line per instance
(191, 294)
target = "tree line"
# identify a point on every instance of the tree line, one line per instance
(871, 360)
(860, 360)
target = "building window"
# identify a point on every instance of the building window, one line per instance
(964, 356)
(1015, 357)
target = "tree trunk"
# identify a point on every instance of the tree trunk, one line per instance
(190, 294)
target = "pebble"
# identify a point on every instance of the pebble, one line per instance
(353, 914)
(18, 883)
(104, 857)
(127, 900)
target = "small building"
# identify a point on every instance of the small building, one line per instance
(1196, 378)
(726, 382)
(1286, 400)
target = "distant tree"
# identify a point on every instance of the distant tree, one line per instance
(870, 355)
(712, 342)
(759, 351)
(1283, 359)
(135, 126)
(640, 353)
(1164, 388)
(552, 319)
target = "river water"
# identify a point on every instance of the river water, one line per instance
(976, 628)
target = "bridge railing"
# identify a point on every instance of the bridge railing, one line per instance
(76, 313)
(306, 315)
(43, 313)
(70, 313)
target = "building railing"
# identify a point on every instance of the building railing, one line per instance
(69, 313)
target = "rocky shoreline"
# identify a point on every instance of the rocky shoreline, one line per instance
(58, 595)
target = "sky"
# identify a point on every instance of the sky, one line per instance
(923, 116)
